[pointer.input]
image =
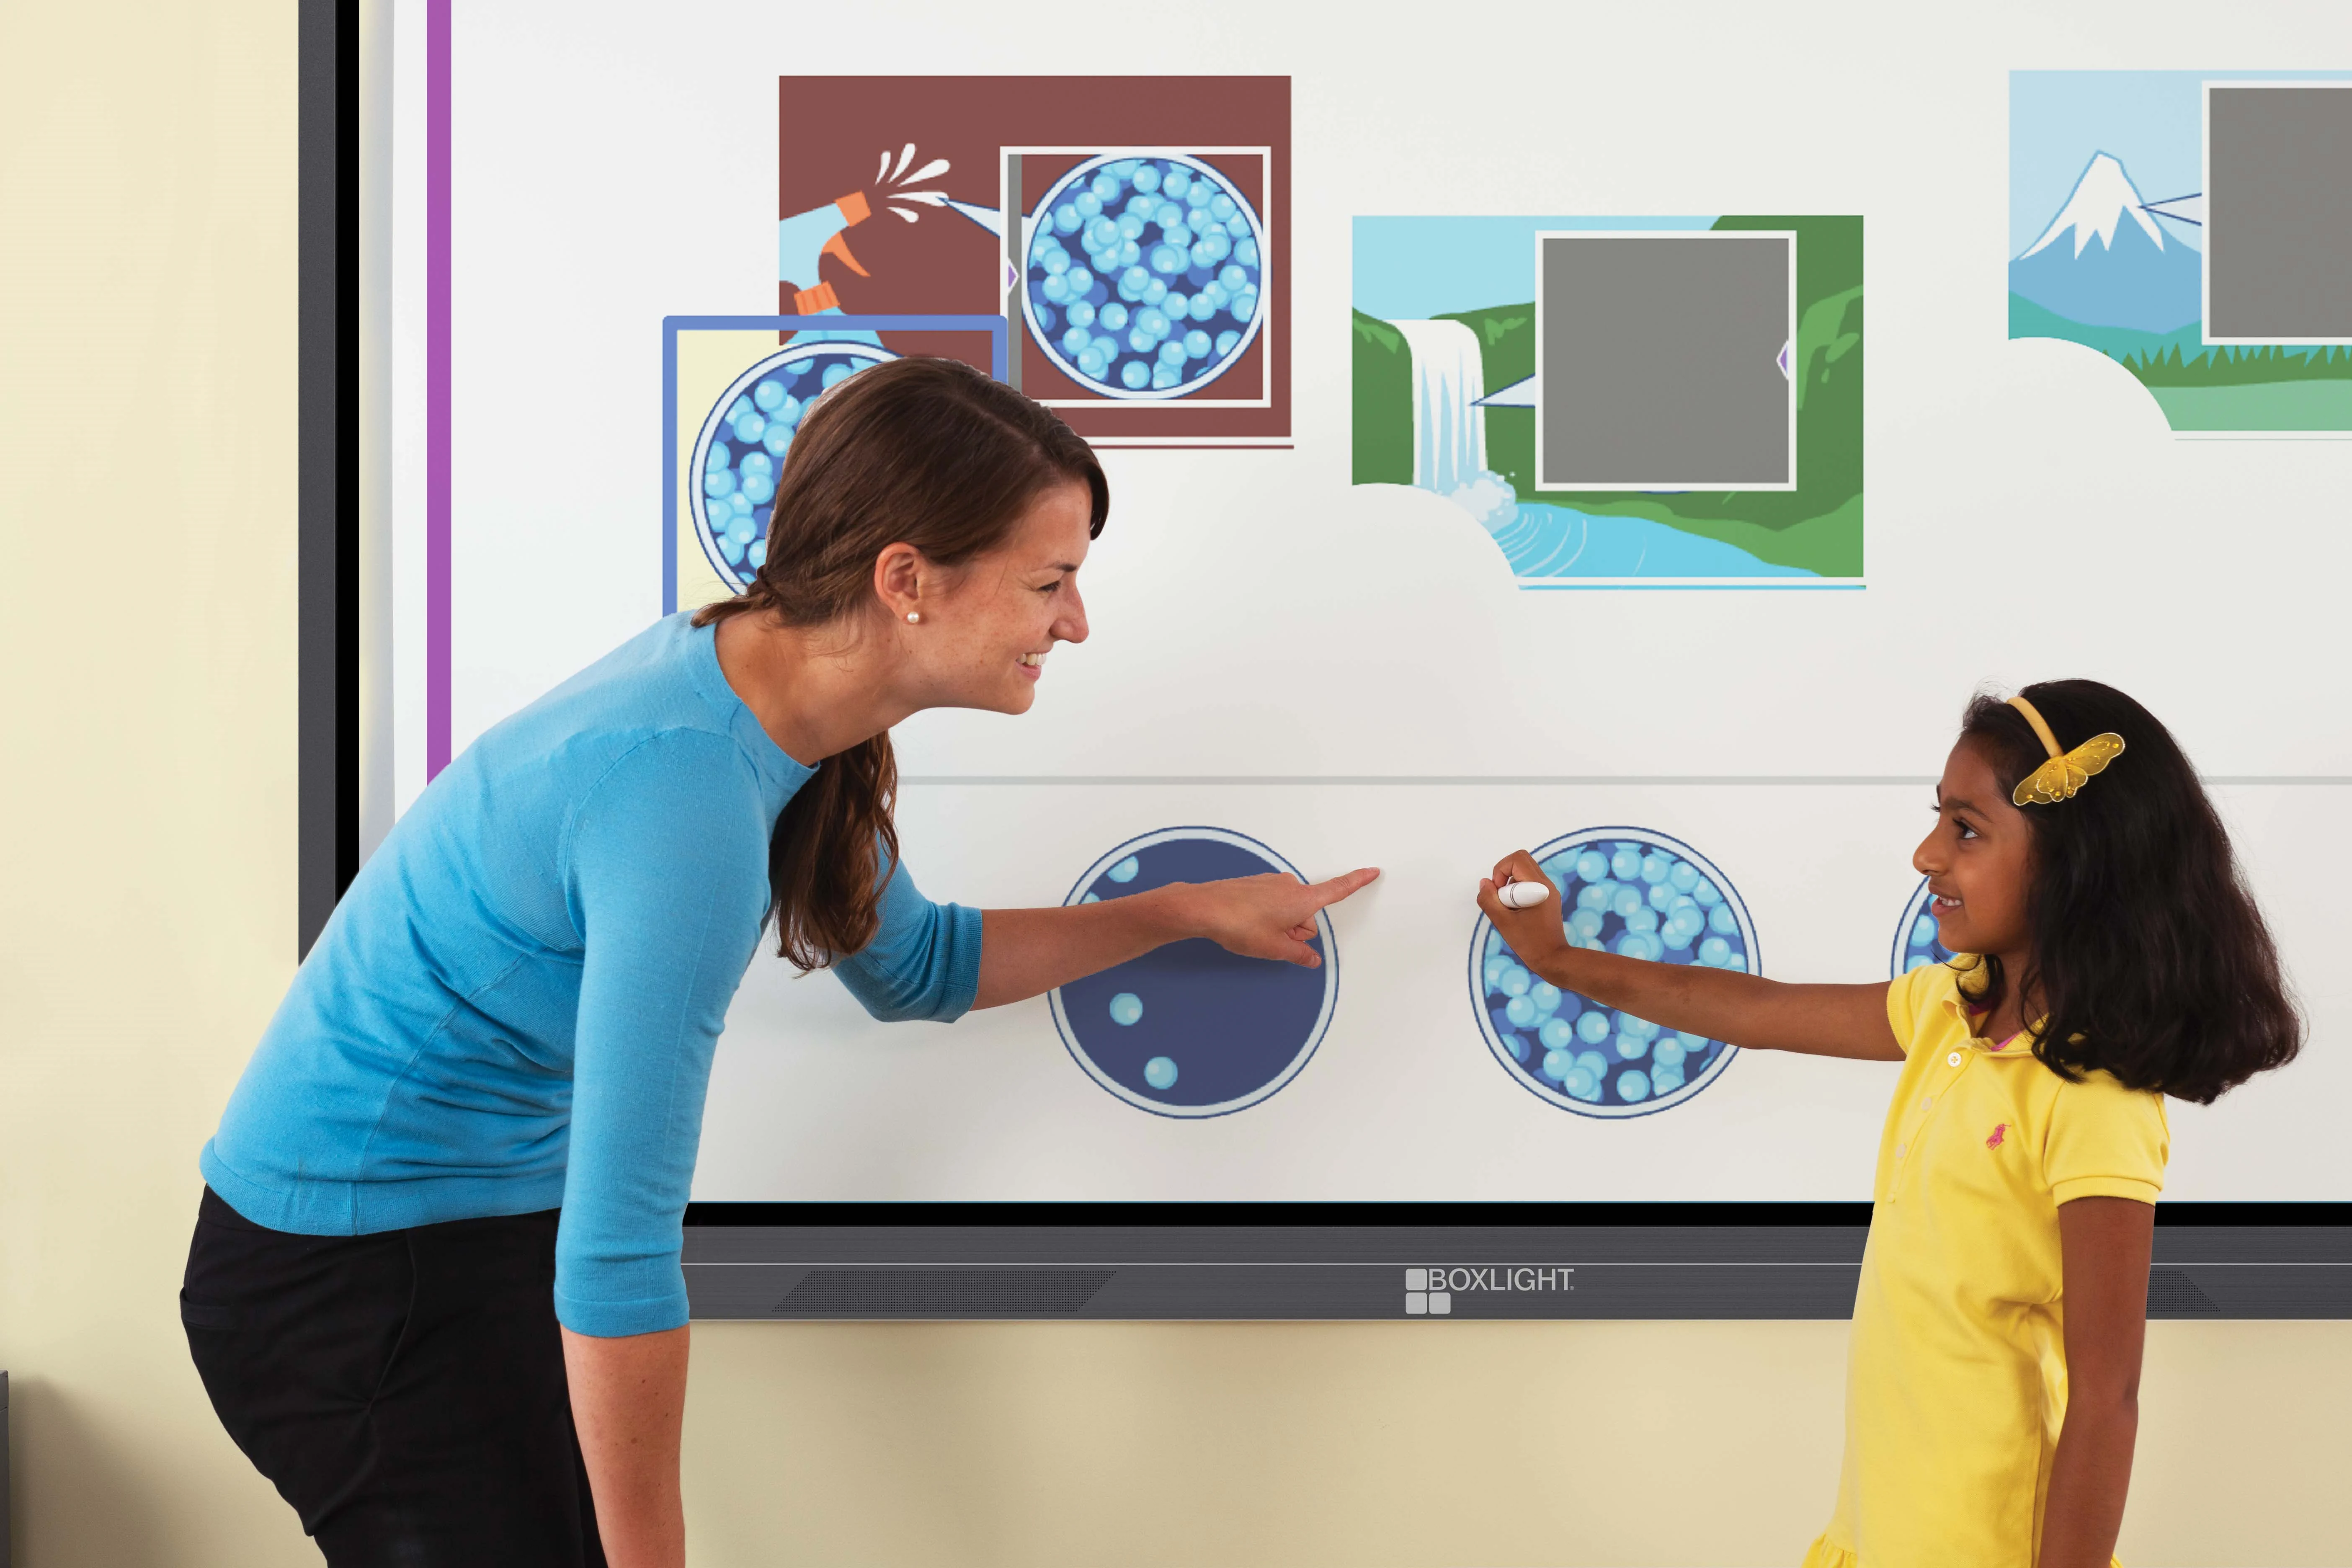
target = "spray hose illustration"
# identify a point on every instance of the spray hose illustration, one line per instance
(805, 239)
(1142, 275)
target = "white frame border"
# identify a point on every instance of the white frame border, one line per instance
(2205, 252)
(1542, 395)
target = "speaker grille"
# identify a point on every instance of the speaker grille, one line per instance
(972, 1292)
(2172, 1293)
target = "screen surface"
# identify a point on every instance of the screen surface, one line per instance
(1336, 621)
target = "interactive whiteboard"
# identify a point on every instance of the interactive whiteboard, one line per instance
(1627, 436)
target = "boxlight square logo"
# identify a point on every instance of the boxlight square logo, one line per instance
(1419, 1301)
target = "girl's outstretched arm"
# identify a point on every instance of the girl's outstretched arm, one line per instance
(1744, 1009)
(2105, 1244)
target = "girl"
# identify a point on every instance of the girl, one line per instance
(435, 1290)
(2110, 956)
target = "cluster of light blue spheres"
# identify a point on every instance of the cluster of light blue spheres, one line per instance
(1631, 898)
(738, 477)
(1921, 944)
(1146, 276)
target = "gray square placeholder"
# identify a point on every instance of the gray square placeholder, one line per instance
(1662, 360)
(2278, 210)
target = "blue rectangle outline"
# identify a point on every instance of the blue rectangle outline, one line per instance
(996, 327)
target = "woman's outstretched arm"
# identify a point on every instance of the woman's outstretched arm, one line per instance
(1024, 952)
(1724, 1004)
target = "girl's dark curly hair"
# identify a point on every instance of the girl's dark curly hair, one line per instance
(2147, 950)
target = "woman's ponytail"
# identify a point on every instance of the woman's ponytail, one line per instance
(927, 452)
(833, 852)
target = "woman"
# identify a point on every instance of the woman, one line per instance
(434, 1289)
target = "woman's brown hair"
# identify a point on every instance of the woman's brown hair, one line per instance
(927, 452)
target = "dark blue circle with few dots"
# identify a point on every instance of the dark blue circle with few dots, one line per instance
(1190, 1029)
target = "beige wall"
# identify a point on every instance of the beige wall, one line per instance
(147, 620)
(1417, 1444)
(147, 605)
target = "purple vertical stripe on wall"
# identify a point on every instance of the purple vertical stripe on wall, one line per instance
(436, 387)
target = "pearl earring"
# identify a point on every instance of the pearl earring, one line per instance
(913, 616)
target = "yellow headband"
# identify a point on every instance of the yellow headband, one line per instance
(2065, 772)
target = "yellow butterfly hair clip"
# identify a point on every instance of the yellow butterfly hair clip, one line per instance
(2065, 772)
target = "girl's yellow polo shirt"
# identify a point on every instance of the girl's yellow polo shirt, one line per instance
(1956, 1377)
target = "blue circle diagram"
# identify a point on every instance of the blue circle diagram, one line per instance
(1629, 890)
(1190, 1029)
(739, 452)
(1917, 943)
(1145, 274)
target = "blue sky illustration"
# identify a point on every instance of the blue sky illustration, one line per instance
(1411, 268)
(2154, 121)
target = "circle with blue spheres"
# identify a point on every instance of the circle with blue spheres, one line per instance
(1916, 942)
(1190, 1030)
(1630, 890)
(741, 450)
(1146, 276)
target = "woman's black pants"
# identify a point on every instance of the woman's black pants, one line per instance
(404, 1391)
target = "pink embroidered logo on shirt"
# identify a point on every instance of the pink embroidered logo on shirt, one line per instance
(1999, 1134)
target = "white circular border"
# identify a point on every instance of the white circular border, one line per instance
(698, 503)
(1313, 1037)
(1580, 838)
(1051, 347)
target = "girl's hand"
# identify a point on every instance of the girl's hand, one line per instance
(1745, 1009)
(1538, 934)
(1268, 916)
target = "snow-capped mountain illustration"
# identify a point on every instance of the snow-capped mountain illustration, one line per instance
(2104, 196)
(2104, 261)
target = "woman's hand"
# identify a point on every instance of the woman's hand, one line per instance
(1023, 952)
(1268, 916)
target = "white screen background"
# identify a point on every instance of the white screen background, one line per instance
(1270, 643)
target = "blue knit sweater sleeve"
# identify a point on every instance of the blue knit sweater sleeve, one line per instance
(666, 887)
(924, 961)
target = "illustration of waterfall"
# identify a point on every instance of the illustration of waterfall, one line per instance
(1449, 431)
(1544, 541)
